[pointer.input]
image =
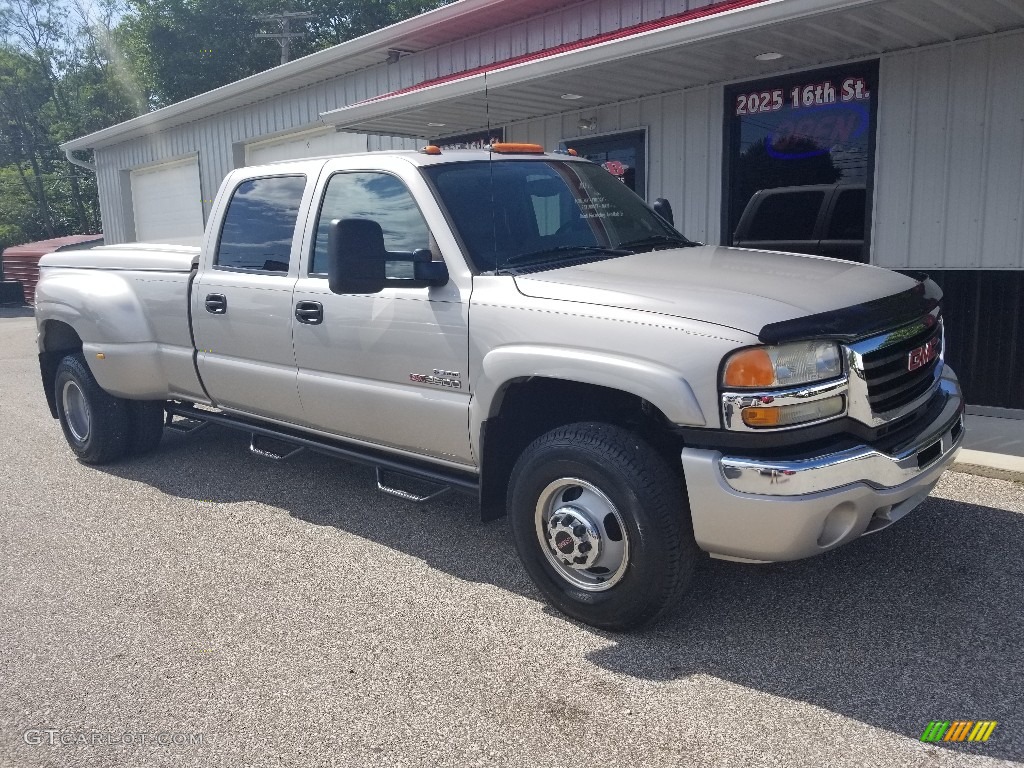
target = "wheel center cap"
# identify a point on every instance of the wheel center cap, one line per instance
(573, 538)
(564, 543)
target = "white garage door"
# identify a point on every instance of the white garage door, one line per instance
(304, 145)
(167, 203)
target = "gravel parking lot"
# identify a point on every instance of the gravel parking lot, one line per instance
(253, 614)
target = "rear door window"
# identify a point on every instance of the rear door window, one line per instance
(260, 223)
(786, 216)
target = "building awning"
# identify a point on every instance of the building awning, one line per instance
(713, 44)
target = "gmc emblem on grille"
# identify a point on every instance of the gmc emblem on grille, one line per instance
(924, 354)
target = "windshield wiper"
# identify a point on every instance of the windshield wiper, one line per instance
(654, 241)
(541, 256)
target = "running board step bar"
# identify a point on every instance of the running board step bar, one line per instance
(268, 454)
(415, 498)
(447, 479)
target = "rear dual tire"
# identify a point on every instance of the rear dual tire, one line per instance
(99, 427)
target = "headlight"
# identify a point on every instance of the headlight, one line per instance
(787, 365)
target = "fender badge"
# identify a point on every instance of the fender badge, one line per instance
(437, 381)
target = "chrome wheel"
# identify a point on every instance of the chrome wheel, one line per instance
(582, 534)
(76, 411)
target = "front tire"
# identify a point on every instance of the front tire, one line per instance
(601, 525)
(95, 423)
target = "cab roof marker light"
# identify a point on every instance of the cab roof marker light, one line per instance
(570, 152)
(507, 148)
(430, 149)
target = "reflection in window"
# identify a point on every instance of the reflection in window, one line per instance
(379, 197)
(260, 223)
(787, 216)
(809, 128)
(848, 216)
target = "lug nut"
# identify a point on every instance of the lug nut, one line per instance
(579, 531)
(584, 547)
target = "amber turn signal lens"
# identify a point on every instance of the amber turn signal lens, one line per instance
(750, 368)
(762, 417)
(508, 148)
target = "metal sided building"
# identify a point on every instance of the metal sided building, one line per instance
(885, 131)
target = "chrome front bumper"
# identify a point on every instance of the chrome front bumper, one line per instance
(763, 510)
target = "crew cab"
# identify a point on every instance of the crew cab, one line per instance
(520, 326)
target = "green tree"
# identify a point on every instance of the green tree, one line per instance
(58, 79)
(182, 48)
(337, 22)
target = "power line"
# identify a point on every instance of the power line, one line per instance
(284, 37)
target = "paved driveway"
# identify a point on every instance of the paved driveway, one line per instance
(253, 613)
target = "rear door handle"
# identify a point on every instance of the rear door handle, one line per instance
(309, 312)
(216, 303)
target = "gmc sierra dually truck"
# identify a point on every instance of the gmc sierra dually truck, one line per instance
(523, 327)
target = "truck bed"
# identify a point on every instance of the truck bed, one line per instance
(130, 306)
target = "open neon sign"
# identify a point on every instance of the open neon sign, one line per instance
(814, 131)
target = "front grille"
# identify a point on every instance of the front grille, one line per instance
(890, 384)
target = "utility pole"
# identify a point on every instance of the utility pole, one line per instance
(285, 36)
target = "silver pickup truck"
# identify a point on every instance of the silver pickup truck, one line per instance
(522, 327)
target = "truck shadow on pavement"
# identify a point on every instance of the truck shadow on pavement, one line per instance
(922, 622)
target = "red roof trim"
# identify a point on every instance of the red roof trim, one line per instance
(588, 42)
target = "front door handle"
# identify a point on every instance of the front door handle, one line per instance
(309, 312)
(216, 303)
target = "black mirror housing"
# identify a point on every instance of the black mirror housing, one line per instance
(663, 208)
(355, 256)
(428, 271)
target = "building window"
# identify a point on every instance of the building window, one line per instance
(800, 162)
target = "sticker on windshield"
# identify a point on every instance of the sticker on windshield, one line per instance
(598, 207)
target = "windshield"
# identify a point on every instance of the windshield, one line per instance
(516, 215)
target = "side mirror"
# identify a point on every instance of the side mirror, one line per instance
(356, 256)
(663, 208)
(427, 271)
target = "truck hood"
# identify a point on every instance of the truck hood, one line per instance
(731, 287)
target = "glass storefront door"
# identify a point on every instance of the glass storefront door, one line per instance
(800, 162)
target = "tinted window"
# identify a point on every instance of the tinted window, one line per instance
(848, 216)
(259, 224)
(381, 198)
(813, 128)
(786, 216)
